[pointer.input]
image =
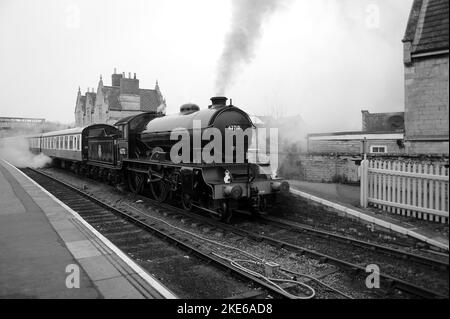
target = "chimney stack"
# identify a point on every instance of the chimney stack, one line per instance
(218, 101)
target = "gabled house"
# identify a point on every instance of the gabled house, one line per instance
(123, 98)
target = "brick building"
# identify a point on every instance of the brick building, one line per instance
(387, 122)
(123, 98)
(426, 57)
(356, 143)
(382, 133)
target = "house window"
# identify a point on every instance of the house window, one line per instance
(378, 149)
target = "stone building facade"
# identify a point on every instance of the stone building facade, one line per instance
(426, 60)
(123, 98)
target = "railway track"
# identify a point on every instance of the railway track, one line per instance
(387, 280)
(440, 263)
(135, 234)
(397, 256)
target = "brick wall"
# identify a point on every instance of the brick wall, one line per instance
(351, 146)
(339, 168)
(334, 146)
(426, 104)
(319, 168)
(373, 122)
(423, 147)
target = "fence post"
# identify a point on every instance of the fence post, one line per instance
(364, 184)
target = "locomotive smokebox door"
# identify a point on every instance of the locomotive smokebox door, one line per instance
(187, 180)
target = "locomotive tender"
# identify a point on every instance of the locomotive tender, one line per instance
(137, 151)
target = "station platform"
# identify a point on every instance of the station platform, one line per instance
(46, 249)
(345, 198)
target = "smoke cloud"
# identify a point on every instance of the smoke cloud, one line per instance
(15, 150)
(246, 23)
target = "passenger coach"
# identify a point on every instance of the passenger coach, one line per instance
(94, 143)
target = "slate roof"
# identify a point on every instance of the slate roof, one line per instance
(428, 26)
(149, 100)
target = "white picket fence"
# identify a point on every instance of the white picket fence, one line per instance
(416, 190)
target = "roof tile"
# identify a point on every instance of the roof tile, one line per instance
(428, 26)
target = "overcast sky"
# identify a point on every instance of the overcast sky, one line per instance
(323, 59)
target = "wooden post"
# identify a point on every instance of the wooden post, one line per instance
(364, 185)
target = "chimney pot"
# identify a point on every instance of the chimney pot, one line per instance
(219, 101)
(135, 76)
(129, 75)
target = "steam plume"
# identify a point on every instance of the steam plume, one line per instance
(246, 23)
(15, 151)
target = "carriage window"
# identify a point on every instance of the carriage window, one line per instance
(71, 142)
(66, 146)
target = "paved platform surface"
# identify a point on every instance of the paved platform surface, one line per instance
(42, 241)
(348, 197)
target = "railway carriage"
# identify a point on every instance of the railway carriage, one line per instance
(35, 143)
(64, 145)
(87, 150)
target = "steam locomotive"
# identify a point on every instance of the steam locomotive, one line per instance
(139, 151)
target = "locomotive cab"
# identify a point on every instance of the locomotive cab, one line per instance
(129, 146)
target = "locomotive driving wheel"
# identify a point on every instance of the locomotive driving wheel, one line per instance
(224, 213)
(186, 201)
(135, 182)
(160, 190)
(261, 207)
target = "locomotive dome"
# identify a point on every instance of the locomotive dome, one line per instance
(189, 108)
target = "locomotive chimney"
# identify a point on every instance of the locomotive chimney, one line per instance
(218, 101)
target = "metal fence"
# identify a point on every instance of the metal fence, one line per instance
(415, 190)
